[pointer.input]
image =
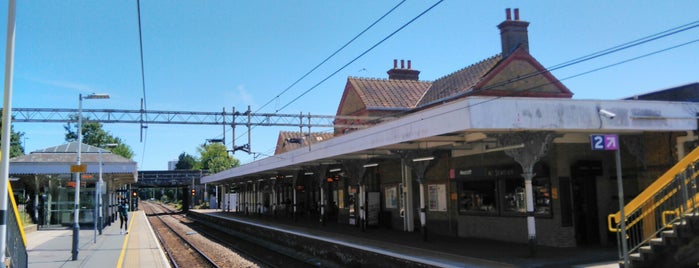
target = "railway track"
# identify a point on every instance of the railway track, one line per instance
(180, 251)
(222, 245)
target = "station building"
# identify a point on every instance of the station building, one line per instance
(496, 150)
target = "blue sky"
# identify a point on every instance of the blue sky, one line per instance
(210, 55)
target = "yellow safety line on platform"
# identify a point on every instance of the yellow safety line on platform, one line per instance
(123, 247)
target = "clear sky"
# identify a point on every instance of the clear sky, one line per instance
(211, 55)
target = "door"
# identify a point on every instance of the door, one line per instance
(585, 211)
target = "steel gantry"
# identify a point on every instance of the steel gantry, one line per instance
(223, 118)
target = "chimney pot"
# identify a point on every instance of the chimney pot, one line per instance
(403, 73)
(513, 33)
(508, 14)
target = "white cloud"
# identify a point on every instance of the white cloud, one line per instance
(245, 97)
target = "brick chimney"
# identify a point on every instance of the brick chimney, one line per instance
(403, 73)
(513, 33)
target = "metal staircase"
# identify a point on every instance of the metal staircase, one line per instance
(662, 223)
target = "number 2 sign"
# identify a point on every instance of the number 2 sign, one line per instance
(608, 142)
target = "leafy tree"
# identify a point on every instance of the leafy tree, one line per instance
(16, 146)
(185, 161)
(215, 158)
(95, 135)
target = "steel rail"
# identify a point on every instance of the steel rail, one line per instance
(190, 244)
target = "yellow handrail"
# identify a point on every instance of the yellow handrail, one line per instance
(651, 190)
(14, 206)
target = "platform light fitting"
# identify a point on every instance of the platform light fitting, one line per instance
(428, 158)
(371, 165)
(496, 149)
(335, 170)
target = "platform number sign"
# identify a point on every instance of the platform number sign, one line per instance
(608, 142)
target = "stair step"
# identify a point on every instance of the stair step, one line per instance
(669, 233)
(645, 249)
(657, 241)
(635, 257)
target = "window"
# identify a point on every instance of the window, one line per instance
(477, 196)
(515, 196)
(500, 191)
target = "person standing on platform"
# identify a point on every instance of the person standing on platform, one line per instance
(123, 217)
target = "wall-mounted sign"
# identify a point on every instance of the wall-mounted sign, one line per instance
(608, 142)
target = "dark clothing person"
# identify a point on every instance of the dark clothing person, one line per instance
(123, 217)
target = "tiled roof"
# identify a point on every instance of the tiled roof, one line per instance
(291, 140)
(59, 159)
(66, 153)
(459, 82)
(389, 94)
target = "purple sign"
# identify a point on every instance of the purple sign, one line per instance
(608, 142)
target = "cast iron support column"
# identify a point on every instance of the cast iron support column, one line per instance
(273, 198)
(421, 165)
(293, 190)
(530, 147)
(406, 192)
(319, 173)
(355, 169)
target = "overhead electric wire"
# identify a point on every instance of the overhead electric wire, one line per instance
(592, 70)
(331, 55)
(361, 55)
(316, 67)
(143, 77)
(617, 48)
(627, 45)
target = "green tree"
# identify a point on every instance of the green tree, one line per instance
(185, 161)
(215, 158)
(95, 135)
(16, 146)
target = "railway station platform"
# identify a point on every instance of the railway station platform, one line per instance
(437, 251)
(51, 248)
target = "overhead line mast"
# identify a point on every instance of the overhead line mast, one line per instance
(234, 118)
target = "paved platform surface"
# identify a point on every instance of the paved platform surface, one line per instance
(139, 248)
(438, 250)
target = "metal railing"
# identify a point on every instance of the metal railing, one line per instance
(659, 206)
(16, 239)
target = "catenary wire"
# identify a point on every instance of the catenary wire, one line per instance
(343, 67)
(331, 55)
(143, 77)
(617, 48)
(361, 55)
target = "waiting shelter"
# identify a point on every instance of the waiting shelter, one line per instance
(45, 179)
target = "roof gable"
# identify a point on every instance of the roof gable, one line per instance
(350, 103)
(520, 75)
(292, 140)
(459, 82)
(382, 94)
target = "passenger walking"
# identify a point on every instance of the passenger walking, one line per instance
(123, 217)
